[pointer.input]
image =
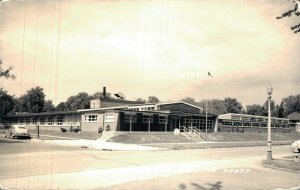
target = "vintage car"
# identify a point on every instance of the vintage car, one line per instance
(17, 131)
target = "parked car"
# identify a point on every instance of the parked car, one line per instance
(16, 131)
(296, 146)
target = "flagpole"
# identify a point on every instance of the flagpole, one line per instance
(206, 107)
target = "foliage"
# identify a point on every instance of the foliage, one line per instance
(98, 95)
(48, 107)
(141, 100)
(214, 106)
(189, 100)
(153, 99)
(280, 110)
(254, 109)
(61, 107)
(233, 106)
(6, 102)
(291, 104)
(6, 73)
(33, 101)
(273, 108)
(295, 11)
(79, 101)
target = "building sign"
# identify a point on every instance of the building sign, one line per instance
(109, 118)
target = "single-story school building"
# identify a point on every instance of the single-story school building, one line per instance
(123, 115)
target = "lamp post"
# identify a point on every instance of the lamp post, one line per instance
(269, 151)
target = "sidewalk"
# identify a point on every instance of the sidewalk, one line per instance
(211, 144)
(101, 145)
(95, 144)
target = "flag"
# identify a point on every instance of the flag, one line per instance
(210, 75)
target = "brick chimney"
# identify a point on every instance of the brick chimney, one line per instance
(104, 92)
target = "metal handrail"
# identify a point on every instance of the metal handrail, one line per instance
(192, 132)
(198, 132)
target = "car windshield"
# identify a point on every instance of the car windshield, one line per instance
(22, 127)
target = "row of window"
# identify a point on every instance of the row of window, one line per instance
(249, 124)
(259, 119)
(146, 119)
(91, 118)
(50, 120)
(142, 108)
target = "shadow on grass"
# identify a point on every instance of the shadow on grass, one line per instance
(207, 186)
(10, 141)
(15, 140)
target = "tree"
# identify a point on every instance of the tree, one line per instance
(33, 101)
(189, 100)
(153, 99)
(214, 106)
(6, 73)
(273, 110)
(61, 107)
(291, 104)
(98, 95)
(289, 13)
(6, 102)
(233, 106)
(80, 101)
(141, 100)
(280, 111)
(48, 107)
(254, 109)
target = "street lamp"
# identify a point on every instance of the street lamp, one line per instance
(269, 151)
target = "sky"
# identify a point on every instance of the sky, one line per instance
(150, 47)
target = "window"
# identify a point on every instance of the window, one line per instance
(234, 117)
(27, 121)
(34, 121)
(226, 123)
(128, 116)
(246, 124)
(50, 120)
(59, 120)
(162, 119)
(42, 120)
(245, 118)
(147, 118)
(91, 118)
(263, 125)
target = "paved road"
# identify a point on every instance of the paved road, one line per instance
(57, 167)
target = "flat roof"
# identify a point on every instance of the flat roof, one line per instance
(247, 115)
(179, 102)
(105, 108)
(42, 113)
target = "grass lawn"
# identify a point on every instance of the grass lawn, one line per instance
(287, 163)
(169, 137)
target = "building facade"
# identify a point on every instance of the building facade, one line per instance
(233, 122)
(112, 115)
(46, 120)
